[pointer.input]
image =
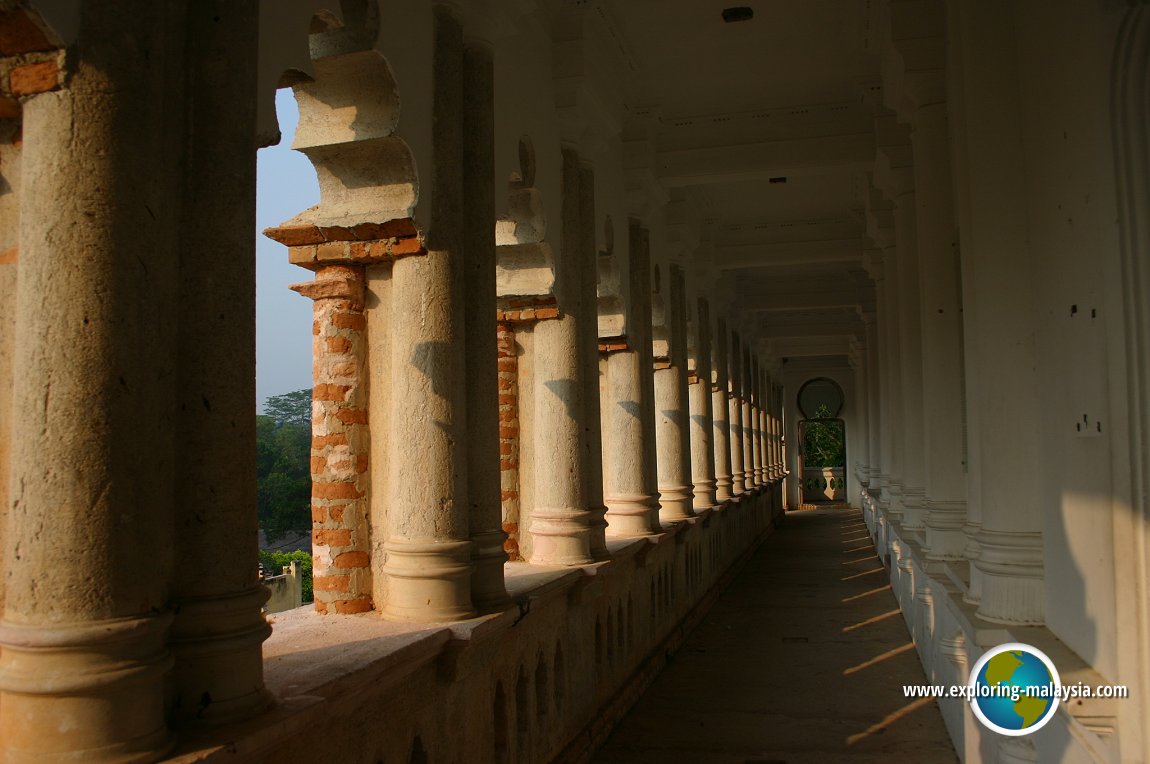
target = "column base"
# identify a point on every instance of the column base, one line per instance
(488, 588)
(90, 691)
(632, 515)
(216, 642)
(428, 581)
(912, 510)
(676, 503)
(706, 494)
(1011, 568)
(561, 536)
(722, 490)
(944, 522)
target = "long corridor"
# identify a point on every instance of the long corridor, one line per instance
(802, 659)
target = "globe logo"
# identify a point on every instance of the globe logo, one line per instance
(1014, 689)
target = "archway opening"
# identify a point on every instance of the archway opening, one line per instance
(822, 442)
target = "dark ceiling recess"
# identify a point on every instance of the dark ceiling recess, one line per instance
(779, 179)
(738, 13)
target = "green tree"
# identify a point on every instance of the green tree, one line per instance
(283, 472)
(290, 408)
(823, 441)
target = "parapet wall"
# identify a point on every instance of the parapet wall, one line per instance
(544, 680)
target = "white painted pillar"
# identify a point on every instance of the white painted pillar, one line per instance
(910, 361)
(943, 452)
(1000, 329)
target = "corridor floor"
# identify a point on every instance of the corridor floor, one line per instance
(801, 659)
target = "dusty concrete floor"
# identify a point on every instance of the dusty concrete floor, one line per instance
(802, 659)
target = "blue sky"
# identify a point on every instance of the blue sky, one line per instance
(286, 186)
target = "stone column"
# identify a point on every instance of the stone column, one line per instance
(672, 426)
(219, 629)
(719, 407)
(428, 514)
(84, 666)
(702, 416)
(589, 347)
(944, 453)
(340, 441)
(750, 479)
(628, 409)
(488, 591)
(9, 258)
(757, 421)
(563, 519)
(735, 416)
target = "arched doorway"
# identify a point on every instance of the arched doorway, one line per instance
(822, 442)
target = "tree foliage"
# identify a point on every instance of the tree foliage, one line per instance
(823, 441)
(275, 562)
(283, 459)
(290, 408)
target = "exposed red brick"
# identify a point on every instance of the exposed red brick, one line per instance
(9, 256)
(508, 399)
(349, 607)
(336, 511)
(505, 449)
(352, 416)
(335, 491)
(411, 246)
(318, 465)
(344, 369)
(321, 607)
(338, 345)
(19, 34)
(508, 432)
(361, 463)
(544, 313)
(335, 538)
(329, 392)
(9, 108)
(34, 78)
(352, 560)
(322, 441)
(354, 321)
(318, 514)
(331, 583)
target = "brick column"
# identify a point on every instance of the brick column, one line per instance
(509, 438)
(341, 537)
(719, 407)
(756, 422)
